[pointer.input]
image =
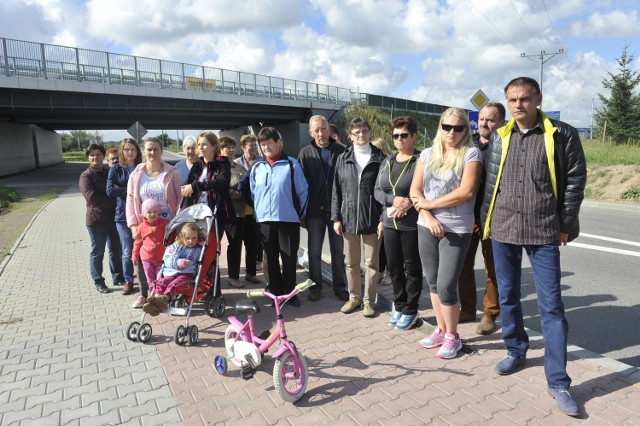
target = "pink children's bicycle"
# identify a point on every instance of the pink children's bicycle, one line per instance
(245, 349)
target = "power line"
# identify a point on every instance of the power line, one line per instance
(525, 24)
(494, 27)
(544, 3)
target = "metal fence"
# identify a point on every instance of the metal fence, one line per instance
(39, 60)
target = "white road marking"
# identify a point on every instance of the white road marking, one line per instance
(613, 240)
(607, 249)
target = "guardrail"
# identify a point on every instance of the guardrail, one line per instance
(39, 60)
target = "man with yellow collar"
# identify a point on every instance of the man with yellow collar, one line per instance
(536, 174)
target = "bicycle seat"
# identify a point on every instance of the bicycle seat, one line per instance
(246, 306)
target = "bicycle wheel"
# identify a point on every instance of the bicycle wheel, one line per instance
(290, 376)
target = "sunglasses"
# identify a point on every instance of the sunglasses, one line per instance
(448, 127)
(400, 135)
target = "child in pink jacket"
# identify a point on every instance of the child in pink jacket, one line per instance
(149, 247)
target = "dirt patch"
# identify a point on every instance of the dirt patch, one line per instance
(16, 219)
(610, 183)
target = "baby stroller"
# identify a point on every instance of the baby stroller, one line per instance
(192, 291)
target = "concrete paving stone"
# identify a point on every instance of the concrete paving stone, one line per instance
(111, 418)
(115, 382)
(431, 411)
(165, 403)
(72, 382)
(8, 378)
(36, 354)
(282, 411)
(17, 394)
(40, 399)
(103, 375)
(135, 388)
(52, 419)
(76, 414)
(404, 418)
(18, 384)
(371, 415)
(18, 367)
(91, 387)
(400, 404)
(129, 401)
(87, 370)
(66, 366)
(73, 403)
(168, 418)
(106, 395)
(83, 354)
(13, 405)
(17, 416)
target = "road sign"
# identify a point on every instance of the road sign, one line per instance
(479, 99)
(554, 115)
(473, 120)
(137, 131)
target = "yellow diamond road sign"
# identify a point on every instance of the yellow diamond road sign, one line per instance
(479, 99)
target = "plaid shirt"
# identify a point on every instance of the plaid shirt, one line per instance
(525, 211)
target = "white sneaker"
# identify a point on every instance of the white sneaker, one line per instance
(435, 339)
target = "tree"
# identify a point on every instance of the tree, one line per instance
(75, 140)
(621, 110)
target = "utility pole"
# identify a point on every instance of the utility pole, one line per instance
(542, 60)
(592, 108)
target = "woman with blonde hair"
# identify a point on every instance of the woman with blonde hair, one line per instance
(443, 191)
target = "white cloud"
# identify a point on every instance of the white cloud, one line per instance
(616, 23)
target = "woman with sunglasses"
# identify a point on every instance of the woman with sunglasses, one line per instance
(399, 217)
(443, 191)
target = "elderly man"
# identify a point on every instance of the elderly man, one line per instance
(536, 174)
(318, 160)
(490, 117)
(191, 157)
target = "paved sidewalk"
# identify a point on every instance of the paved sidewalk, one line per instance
(64, 359)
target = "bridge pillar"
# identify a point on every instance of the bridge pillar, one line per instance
(26, 147)
(295, 135)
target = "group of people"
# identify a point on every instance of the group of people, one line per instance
(514, 185)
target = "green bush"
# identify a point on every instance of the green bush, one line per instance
(7, 196)
(631, 194)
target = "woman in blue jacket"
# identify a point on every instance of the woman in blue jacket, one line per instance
(129, 155)
(279, 192)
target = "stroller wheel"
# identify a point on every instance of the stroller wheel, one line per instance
(180, 335)
(220, 365)
(144, 333)
(215, 307)
(192, 334)
(132, 331)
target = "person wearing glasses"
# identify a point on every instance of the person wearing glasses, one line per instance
(443, 191)
(112, 156)
(130, 156)
(399, 217)
(536, 174)
(356, 214)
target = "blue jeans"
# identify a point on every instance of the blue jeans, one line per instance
(126, 243)
(545, 262)
(101, 235)
(316, 228)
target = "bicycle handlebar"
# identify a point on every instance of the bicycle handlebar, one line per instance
(305, 285)
(255, 293)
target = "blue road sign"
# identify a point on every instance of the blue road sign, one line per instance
(473, 120)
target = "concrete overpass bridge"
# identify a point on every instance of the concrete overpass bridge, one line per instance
(44, 88)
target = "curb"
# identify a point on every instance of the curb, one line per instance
(8, 257)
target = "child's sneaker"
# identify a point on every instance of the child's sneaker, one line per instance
(395, 318)
(435, 339)
(150, 309)
(140, 300)
(450, 346)
(160, 302)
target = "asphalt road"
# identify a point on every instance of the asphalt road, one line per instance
(600, 284)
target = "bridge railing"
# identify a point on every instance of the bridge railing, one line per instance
(39, 60)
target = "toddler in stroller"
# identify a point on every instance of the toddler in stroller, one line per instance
(180, 266)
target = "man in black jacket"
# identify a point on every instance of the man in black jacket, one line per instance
(490, 118)
(318, 160)
(535, 178)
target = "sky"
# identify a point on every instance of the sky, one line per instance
(433, 51)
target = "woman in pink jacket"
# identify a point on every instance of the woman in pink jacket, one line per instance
(152, 179)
